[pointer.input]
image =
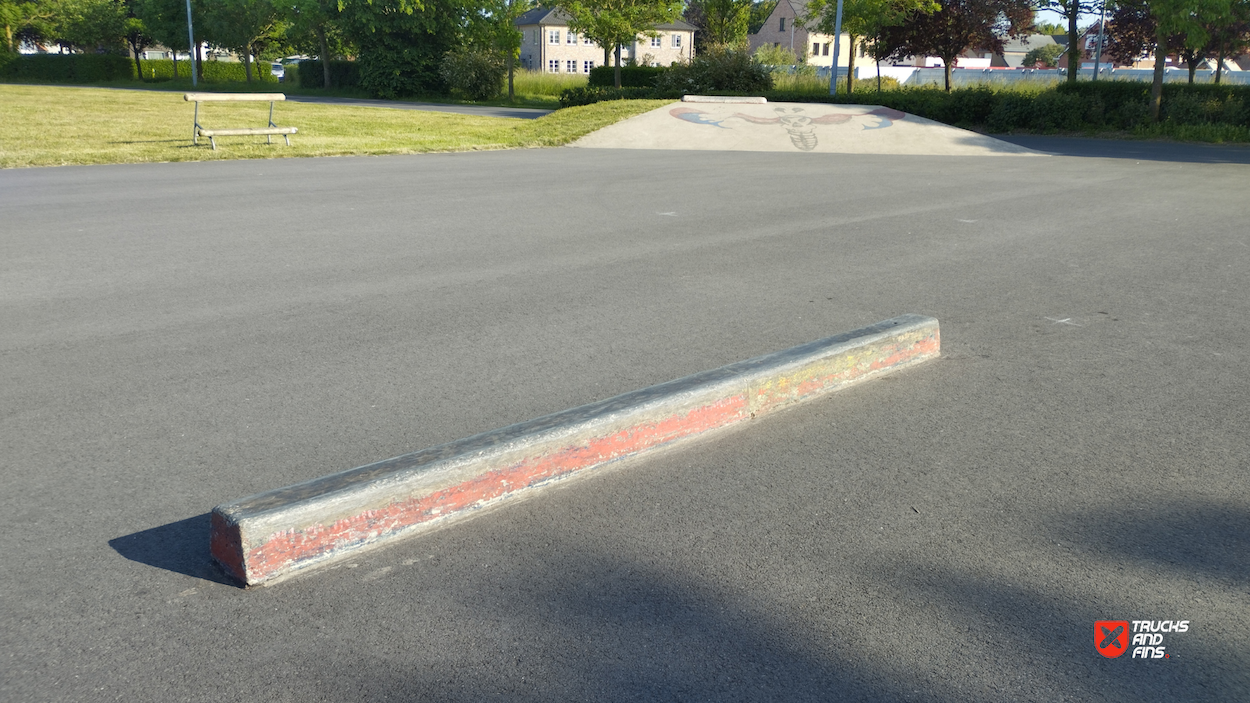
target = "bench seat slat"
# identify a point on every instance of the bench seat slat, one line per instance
(243, 132)
(210, 97)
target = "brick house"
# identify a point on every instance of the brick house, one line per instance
(784, 28)
(547, 44)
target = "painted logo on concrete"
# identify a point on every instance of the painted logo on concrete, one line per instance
(797, 121)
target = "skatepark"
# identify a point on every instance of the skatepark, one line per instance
(180, 336)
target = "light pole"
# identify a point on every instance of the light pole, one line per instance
(837, 49)
(191, 46)
(1102, 22)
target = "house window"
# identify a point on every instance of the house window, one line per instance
(570, 67)
(571, 38)
(587, 65)
(655, 41)
(782, 26)
(553, 65)
(676, 41)
(586, 41)
(826, 49)
(553, 36)
(815, 49)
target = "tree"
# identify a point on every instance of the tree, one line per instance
(88, 25)
(720, 22)
(1232, 36)
(402, 42)
(166, 22)
(136, 35)
(312, 28)
(614, 23)
(1046, 56)
(760, 11)
(492, 27)
(862, 20)
(958, 26)
(1139, 27)
(26, 21)
(1048, 28)
(1071, 10)
(247, 27)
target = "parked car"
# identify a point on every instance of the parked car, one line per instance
(278, 70)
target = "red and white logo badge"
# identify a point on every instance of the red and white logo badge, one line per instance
(1111, 637)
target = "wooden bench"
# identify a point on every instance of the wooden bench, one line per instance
(212, 134)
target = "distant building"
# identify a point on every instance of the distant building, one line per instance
(548, 45)
(784, 28)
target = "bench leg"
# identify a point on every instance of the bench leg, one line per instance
(213, 140)
(287, 137)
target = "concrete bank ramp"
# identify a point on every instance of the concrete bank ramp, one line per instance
(810, 127)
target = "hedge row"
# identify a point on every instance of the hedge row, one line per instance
(631, 76)
(97, 68)
(1064, 108)
(311, 74)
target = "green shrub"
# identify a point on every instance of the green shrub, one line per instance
(401, 44)
(100, 68)
(770, 55)
(6, 59)
(631, 76)
(1047, 56)
(588, 95)
(311, 74)
(725, 70)
(72, 68)
(472, 74)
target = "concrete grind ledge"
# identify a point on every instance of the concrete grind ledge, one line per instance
(271, 535)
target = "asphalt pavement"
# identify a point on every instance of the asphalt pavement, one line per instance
(174, 336)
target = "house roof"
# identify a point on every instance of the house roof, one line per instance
(1025, 44)
(558, 18)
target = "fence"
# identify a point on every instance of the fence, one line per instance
(965, 77)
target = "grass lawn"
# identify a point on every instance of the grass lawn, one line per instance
(53, 126)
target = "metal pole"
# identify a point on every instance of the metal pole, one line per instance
(837, 49)
(191, 47)
(1102, 24)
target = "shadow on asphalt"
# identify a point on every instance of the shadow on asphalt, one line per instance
(181, 547)
(1193, 539)
(1134, 150)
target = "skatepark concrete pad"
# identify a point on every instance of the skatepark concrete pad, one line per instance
(810, 127)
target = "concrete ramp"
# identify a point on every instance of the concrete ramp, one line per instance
(810, 127)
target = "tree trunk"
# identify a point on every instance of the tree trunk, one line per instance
(607, 56)
(138, 66)
(325, 56)
(946, 69)
(8, 36)
(618, 65)
(1219, 58)
(878, 75)
(247, 63)
(1156, 88)
(1074, 41)
(850, 66)
(174, 53)
(511, 70)
(1193, 66)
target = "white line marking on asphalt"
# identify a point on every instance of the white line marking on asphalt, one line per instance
(667, 214)
(1064, 321)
